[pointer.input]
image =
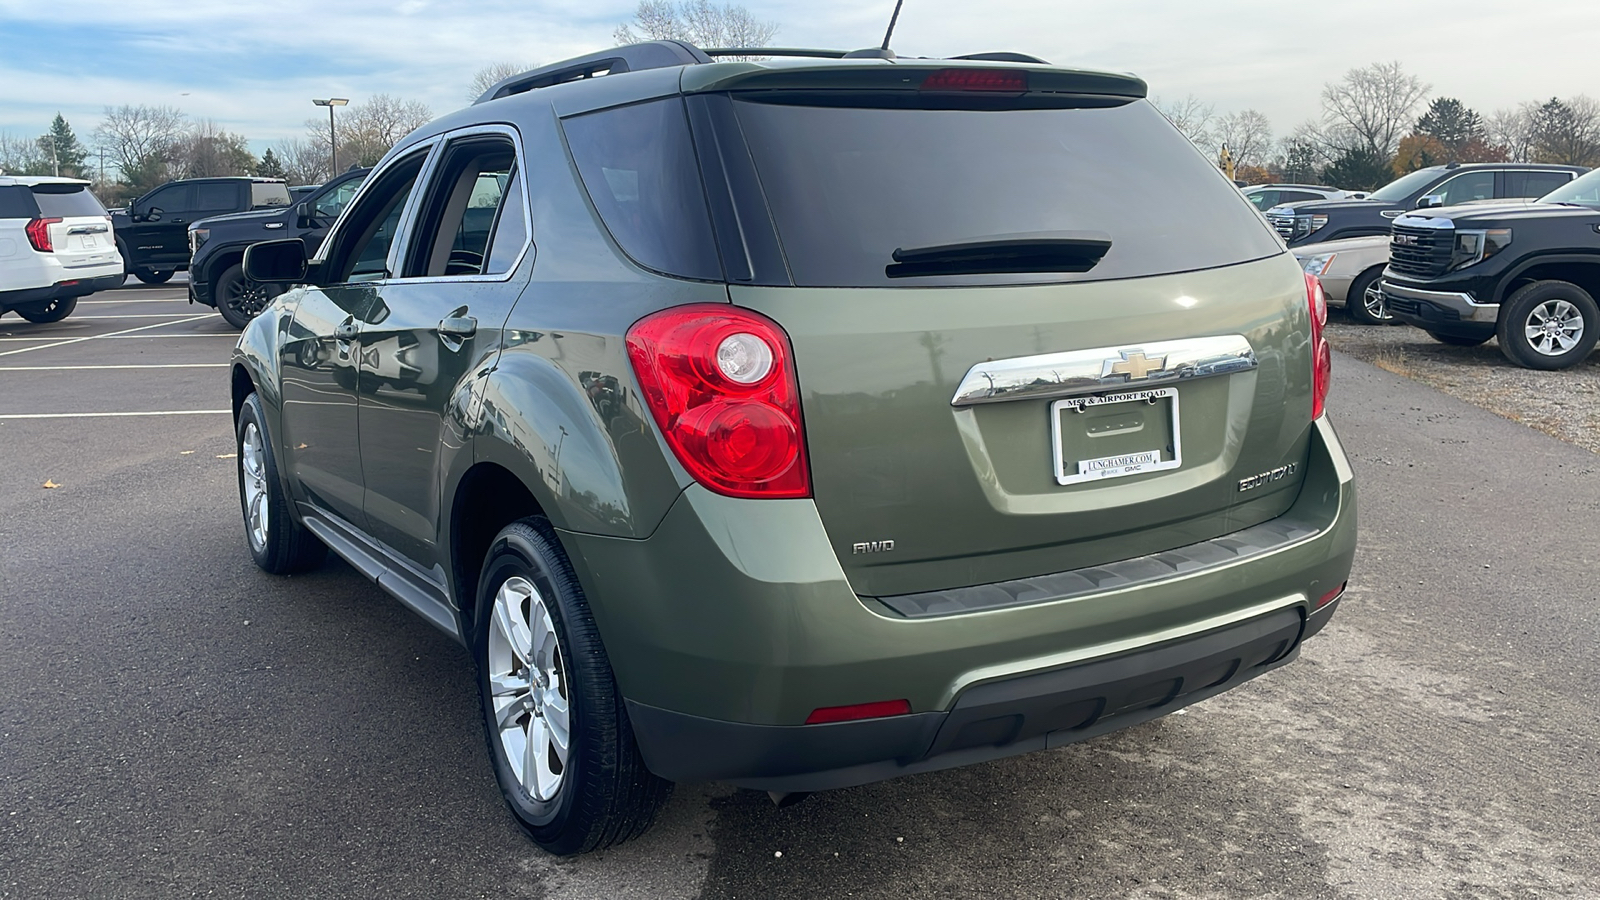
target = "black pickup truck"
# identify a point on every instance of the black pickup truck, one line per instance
(152, 231)
(1526, 273)
(217, 244)
(1330, 220)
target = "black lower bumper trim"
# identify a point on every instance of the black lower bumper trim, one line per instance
(988, 721)
(40, 296)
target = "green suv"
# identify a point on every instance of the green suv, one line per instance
(802, 423)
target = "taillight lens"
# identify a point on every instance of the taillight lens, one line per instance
(1004, 80)
(39, 234)
(720, 382)
(1321, 355)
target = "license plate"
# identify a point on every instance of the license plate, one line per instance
(1115, 435)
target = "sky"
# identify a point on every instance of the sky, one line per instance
(254, 68)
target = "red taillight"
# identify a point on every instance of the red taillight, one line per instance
(880, 709)
(721, 384)
(39, 234)
(1329, 597)
(1321, 355)
(1009, 80)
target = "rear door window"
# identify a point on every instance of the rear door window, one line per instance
(848, 186)
(1534, 184)
(66, 201)
(216, 197)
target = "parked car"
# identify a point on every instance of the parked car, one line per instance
(1435, 186)
(217, 244)
(152, 234)
(808, 454)
(1525, 273)
(1266, 196)
(56, 245)
(1349, 270)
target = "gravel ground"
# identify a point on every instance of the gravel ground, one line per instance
(1563, 404)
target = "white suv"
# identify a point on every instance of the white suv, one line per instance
(55, 246)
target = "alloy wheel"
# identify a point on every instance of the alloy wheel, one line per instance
(253, 459)
(1372, 301)
(1554, 327)
(528, 681)
(245, 299)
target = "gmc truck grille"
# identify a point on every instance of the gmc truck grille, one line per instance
(1421, 252)
(1284, 225)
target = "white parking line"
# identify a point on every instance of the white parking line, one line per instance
(140, 366)
(171, 300)
(108, 415)
(117, 335)
(131, 316)
(79, 340)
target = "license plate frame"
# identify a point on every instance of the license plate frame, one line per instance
(1120, 465)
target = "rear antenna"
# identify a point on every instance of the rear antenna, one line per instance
(892, 19)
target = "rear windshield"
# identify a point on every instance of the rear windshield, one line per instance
(66, 200)
(849, 186)
(268, 194)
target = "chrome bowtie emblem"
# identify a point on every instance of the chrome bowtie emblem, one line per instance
(1133, 364)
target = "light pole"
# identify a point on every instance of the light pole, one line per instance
(333, 141)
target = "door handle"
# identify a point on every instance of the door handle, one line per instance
(346, 331)
(458, 326)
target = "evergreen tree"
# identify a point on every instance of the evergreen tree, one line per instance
(62, 150)
(1358, 169)
(1451, 123)
(270, 166)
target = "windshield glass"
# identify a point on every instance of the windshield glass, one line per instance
(1404, 186)
(1584, 190)
(849, 186)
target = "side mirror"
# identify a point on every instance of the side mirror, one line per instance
(153, 214)
(276, 262)
(1430, 201)
(303, 215)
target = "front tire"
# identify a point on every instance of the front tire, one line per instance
(237, 299)
(278, 543)
(54, 311)
(559, 738)
(1456, 340)
(1365, 301)
(1548, 325)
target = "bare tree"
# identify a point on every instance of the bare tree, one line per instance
(1248, 134)
(698, 22)
(1372, 107)
(1512, 131)
(22, 156)
(207, 151)
(494, 73)
(369, 129)
(139, 140)
(304, 162)
(1191, 117)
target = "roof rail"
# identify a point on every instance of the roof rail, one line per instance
(1002, 56)
(632, 58)
(774, 51)
(664, 54)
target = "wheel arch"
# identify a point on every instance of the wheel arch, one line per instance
(1582, 270)
(487, 498)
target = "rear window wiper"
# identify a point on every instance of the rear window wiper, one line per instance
(1038, 251)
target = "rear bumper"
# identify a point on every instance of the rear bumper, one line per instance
(76, 287)
(989, 721)
(734, 621)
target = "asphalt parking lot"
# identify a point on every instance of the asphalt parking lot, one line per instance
(175, 723)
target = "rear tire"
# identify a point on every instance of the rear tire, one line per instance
(1456, 340)
(237, 298)
(1548, 325)
(542, 671)
(149, 276)
(54, 311)
(1365, 303)
(278, 543)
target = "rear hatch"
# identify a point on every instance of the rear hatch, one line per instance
(80, 235)
(1034, 329)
